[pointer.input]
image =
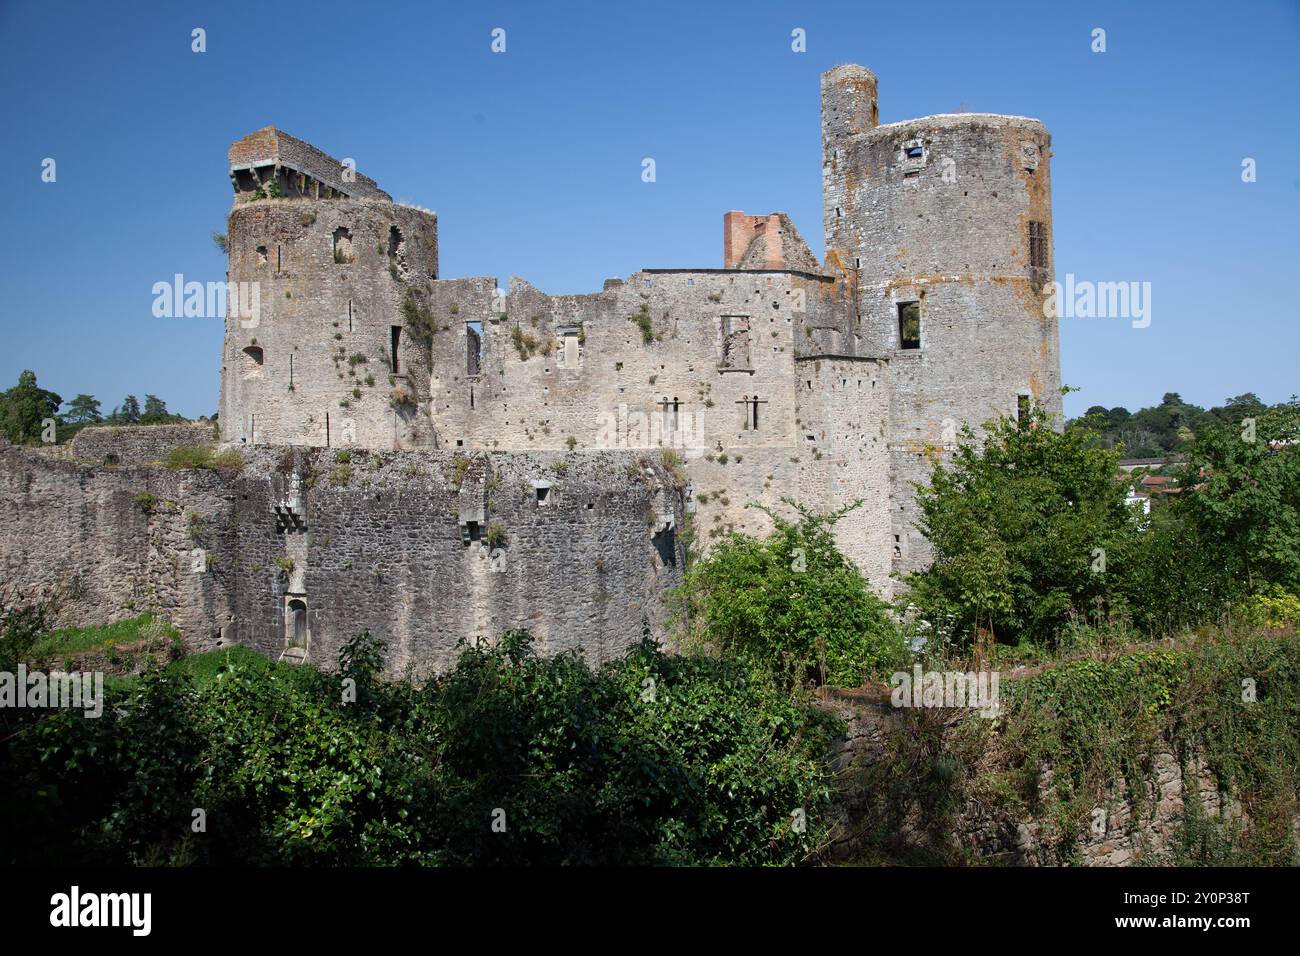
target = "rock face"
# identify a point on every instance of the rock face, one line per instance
(1126, 828)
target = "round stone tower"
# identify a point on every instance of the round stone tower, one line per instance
(947, 221)
(320, 348)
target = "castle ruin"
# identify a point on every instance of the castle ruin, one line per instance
(440, 458)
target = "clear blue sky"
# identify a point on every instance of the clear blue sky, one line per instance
(532, 158)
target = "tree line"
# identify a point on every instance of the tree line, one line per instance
(25, 408)
(1167, 428)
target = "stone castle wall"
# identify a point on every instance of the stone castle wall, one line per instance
(940, 212)
(138, 444)
(774, 378)
(314, 366)
(380, 541)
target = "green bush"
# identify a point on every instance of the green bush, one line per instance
(652, 759)
(791, 605)
(1026, 528)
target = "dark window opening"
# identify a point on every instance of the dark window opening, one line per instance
(665, 544)
(261, 255)
(473, 347)
(349, 315)
(909, 325)
(277, 258)
(543, 492)
(749, 412)
(1038, 249)
(1022, 407)
(297, 623)
(396, 337)
(253, 359)
(915, 152)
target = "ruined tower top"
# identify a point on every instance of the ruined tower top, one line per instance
(298, 169)
(849, 103)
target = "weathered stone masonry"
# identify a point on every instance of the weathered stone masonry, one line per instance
(393, 542)
(391, 417)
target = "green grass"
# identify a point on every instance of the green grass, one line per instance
(203, 668)
(102, 638)
(202, 456)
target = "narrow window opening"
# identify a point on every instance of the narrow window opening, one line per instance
(909, 325)
(297, 623)
(277, 258)
(342, 245)
(473, 347)
(1022, 407)
(349, 315)
(1038, 251)
(396, 341)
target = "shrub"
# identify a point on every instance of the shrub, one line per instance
(641, 318)
(673, 462)
(1028, 527)
(790, 605)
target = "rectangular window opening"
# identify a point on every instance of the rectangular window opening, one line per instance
(1038, 249)
(1022, 407)
(396, 341)
(909, 325)
(473, 347)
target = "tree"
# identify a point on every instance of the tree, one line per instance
(791, 604)
(83, 410)
(155, 411)
(1023, 528)
(1245, 497)
(129, 413)
(24, 408)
